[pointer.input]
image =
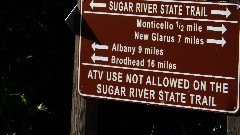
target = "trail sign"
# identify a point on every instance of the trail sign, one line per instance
(172, 53)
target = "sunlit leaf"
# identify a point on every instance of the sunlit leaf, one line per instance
(41, 107)
(24, 100)
(29, 56)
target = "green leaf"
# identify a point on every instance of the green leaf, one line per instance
(29, 56)
(41, 107)
(24, 100)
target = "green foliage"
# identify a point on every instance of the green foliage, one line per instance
(41, 107)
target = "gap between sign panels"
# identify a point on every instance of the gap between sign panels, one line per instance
(158, 71)
(159, 17)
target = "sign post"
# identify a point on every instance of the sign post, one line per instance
(169, 53)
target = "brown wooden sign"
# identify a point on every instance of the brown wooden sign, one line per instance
(172, 53)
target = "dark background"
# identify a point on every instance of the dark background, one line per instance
(36, 69)
(36, 66)
(119, 118)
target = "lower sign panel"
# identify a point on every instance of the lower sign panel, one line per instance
(155, 87)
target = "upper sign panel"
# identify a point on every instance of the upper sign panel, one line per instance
(172, 53)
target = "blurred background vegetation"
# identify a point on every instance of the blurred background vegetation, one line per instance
(36, 65)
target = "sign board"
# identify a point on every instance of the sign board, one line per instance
(172, 53)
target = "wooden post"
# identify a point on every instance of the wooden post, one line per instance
(84, 113)
(78, 103)
(233, 125)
